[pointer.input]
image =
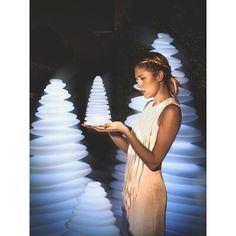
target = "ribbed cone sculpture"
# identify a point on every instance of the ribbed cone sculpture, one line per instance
(183, 168)
(117, 185)
(98, 112)
(92, 216)
(57, 174)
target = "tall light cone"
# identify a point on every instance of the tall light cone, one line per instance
(98, 112)
(183, 167)
(92, 216)
(57, 174)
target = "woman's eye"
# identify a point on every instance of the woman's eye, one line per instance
(140, 78)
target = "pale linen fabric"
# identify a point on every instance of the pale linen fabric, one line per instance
(144, 193)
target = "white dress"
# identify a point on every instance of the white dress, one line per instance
(144, 193)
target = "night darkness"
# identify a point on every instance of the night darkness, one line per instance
(76, 40)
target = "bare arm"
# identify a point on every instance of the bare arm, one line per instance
(169, 124)
(119, 141)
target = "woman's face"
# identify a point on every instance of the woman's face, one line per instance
(148, 84)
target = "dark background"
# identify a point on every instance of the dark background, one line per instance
(76, 40)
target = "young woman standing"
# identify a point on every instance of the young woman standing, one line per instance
(144, 192)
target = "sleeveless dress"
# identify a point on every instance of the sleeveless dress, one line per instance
(144, 192)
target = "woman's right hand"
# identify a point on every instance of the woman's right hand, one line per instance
(120, 141)
(98, 128)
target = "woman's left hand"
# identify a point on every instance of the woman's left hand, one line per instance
(115, 126)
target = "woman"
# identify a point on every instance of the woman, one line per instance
(144, 192)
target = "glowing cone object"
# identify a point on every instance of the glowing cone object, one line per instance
(98, 112)
(57, 174)
(117, 184)
(92, 215)
(183, 168)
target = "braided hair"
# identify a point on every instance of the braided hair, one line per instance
(156, 62)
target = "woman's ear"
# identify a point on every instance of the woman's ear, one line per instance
(160, 76)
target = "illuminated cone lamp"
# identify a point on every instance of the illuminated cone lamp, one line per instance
(57, 174)
(183, 168)
(117, 185)
(98, 112)
(92, 215)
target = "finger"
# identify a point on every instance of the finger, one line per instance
(85, 125)
(110, 129)
(107, 124)
(100, 130)
(98, 126)
(101, 126)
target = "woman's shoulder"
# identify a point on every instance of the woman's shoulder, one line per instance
(171, 112)
(172, 108)
(171, 105)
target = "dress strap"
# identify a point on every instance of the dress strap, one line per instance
(147, 104)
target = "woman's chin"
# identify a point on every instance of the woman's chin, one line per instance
(146, 96)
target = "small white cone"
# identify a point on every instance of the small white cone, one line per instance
(98, 112)
(92, 216)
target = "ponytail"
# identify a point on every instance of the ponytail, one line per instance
(173, 87)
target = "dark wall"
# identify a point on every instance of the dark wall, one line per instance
(78, 39)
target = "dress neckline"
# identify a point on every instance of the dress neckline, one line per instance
(153, 105)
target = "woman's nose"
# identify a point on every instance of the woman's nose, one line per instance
(139, 82)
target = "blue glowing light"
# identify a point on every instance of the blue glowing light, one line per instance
(57, 177)
(92, 215)
(117, 184)
(166, 51)
(98, 112)
(182, 168)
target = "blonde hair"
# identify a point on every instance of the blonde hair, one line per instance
(155, 62)
(174, 87)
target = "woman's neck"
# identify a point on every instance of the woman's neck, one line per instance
(162, 95)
